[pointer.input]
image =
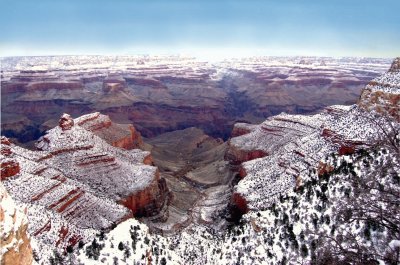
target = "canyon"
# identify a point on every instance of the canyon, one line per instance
(202, 155)
(160, 94)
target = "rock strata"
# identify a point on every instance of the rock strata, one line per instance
(80, 184)
(293, 145)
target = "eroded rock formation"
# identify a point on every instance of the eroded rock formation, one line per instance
(9, 166)
(77, 181)
(119, 135)
(395, 67)
(66, 122)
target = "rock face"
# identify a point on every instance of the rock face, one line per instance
(382, 94)
(119, 135)
(66, 122)
(292, 145)
(80, 184)
(173, 93)
(237, 156)
(295, 144)
(149, 201)
(15, 244)
(395, 67)
(9, 166)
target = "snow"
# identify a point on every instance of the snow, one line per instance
(394, 244)
(13, 220)
(388, 83)
(297, 229)
(278, 216)
(73, 185)
(122, 234)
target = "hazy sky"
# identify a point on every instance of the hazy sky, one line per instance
(207, 27)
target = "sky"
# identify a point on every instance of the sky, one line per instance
(209, 28)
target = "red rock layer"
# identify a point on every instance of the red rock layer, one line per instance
(238, 131)
(346, 147)
(149, 201)
(9, 166)
(119, 135)
(237, 156)
(9, 169)
(240, 203)
(131, 141)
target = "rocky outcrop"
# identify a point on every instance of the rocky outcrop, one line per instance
(119, 135)
(91, 156)
(15, 244)
(149, 201)
(241, 129)
(295, 144)
(346, 147)
(9, 166)
(240, 203)
(395, 67)
(66, 122)
(382, 94)
(113, 84)
(237, 156)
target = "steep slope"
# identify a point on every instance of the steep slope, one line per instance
(288, 145)
(79, 184)
(119, 135)
(199, 178)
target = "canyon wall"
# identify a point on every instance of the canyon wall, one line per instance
(79, 183)
(283, 149)
(167, 94)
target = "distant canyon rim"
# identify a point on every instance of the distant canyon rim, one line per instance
(160, 94)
